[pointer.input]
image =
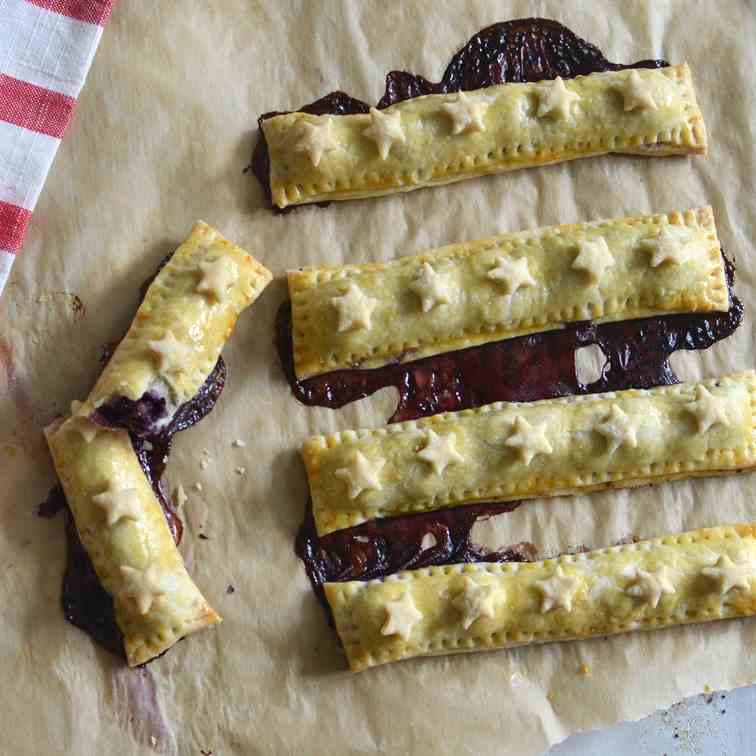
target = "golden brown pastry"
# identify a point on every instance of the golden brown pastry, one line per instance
(177, 334)
(508, 451)
(124, 531)
(476, 292)
(699, 576)
(440, 138)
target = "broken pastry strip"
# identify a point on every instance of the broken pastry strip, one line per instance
(698, 576)
(124, 531)
(477, 292)
(174, 342)
(440, 138)
(509, 451)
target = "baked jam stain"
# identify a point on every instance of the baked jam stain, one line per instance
(86, 604)
(538, 366)
(528, 49)
(528, 368)
(522, 369)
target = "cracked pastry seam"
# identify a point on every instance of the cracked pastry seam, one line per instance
(177, 307)
(478, 311)
(358, 475)
(432, 154)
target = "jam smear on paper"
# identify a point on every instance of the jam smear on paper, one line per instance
(86, 604)
(538, 366)
(528, 49)
(523, 369)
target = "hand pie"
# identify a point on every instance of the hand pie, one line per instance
(123, 529)
(440, 138)
(187, 315)
(509, 451)
(476, 292)
(699, 576)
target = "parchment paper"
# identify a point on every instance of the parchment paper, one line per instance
(163, 130)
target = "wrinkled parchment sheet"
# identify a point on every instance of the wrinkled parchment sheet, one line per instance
(164, 127)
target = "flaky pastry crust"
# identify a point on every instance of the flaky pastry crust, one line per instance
(699, 576)
(441, 138)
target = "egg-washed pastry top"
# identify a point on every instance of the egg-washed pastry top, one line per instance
(476, 292)
(125, 533)
(507, 451)
(440, 138)
(698, 576)
(177, 334)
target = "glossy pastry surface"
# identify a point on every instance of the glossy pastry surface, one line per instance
(699, 576)
(477, 292)
(440, 138)
(509, 451)
(125, 533)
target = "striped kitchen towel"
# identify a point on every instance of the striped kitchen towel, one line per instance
(46, 48)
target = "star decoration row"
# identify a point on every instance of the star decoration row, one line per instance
(435, 286)
(529, 440)
(465, 114)
(478, 600)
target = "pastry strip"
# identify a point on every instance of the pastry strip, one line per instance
(698, 576)
(476, 292)
(440, 138)
(125, 533)
(178, 332)
(508, 451)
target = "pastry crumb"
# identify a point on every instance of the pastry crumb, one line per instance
(428, 542)
(206, 452)
(239, 444)
(198, 486)
(241, 470)
(204, 464)
(179, 496)
(584, 669)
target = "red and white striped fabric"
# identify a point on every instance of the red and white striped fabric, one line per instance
(46, 48)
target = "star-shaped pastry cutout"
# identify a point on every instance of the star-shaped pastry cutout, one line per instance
(637, 93)
(440, 451)
(83, 425)
(314, 139)
(594, 258)
(401, 616)
(555, 99)
(118, 504)
(385, 130)
(217, 277)
(528, 439)
(558, 591)
(651, 586)
(708, 409)
(143, 586)
(476, 600)
(432, 287)
(728, 575)
(172, 356)
(671, 244)
(355, 309)
(619, 429)
(362, 474)
(512, 274)
(466, 114)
